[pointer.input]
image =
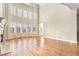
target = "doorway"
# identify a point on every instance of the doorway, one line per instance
(78, 25)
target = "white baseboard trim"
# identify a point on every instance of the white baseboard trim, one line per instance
(61, 40)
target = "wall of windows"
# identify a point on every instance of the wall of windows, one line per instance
(22, 19)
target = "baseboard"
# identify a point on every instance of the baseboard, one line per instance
(29, 36)
(44, 37)
(68, 41)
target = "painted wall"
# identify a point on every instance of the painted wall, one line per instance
(59, 22)
(1, 5)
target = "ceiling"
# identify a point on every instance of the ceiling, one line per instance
(72, 5)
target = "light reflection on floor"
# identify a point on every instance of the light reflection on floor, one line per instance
(26, 44)
(42, 42)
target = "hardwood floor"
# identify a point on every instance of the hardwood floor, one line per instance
(37, 46)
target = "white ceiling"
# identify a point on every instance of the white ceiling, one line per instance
(72, 5)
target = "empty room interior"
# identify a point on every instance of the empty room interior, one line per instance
(39, 29)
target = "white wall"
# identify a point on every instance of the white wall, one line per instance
(1, 7)
(59, 22)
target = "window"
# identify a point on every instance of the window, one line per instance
(12, 10)
(33, 29)
(30, 14)
(28, 28)
(23, 28)
(18, 28)
(25, 13)
(19, 12)
(35, 15)
(12, 27)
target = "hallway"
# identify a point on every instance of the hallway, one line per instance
(36, 46)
